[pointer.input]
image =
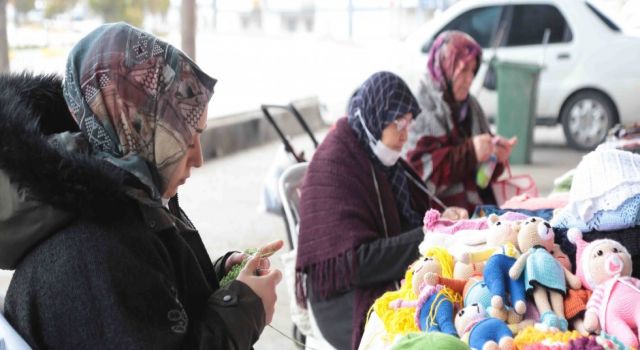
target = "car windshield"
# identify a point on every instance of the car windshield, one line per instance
(604, 18)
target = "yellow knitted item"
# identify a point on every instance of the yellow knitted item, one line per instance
(402, 320)
(530, 335)
(444, 258)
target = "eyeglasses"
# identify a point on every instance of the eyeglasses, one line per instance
(403, 123)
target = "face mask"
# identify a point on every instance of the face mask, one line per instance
(386, 155)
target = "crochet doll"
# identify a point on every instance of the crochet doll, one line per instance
(604, 266)
(434, 307)
(500, 255)
(475, 291)
(575, 301)
(480, 331)
(544, 277)
(462, 271)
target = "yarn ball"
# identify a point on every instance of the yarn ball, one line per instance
(235, 269)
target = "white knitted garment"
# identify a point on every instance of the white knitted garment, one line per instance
(603, 180)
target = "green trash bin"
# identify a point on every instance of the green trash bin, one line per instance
(517, 96)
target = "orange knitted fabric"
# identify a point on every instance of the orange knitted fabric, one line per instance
(456, 285)
(575, 302)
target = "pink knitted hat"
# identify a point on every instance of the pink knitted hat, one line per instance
(575, 237)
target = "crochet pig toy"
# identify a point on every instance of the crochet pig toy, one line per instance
(604, 266)
(482, 332)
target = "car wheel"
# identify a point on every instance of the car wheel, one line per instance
(586, 118)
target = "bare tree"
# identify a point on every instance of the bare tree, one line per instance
(189, 28)
(4, 43)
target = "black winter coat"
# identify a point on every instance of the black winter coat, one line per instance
(95, 269)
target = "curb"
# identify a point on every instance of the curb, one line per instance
(236, 132)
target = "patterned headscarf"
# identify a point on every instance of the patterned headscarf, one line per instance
(449, 48)
(137, 99)
(381, 99)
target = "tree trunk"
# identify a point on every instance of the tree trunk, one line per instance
(188, 28)
(4, 43)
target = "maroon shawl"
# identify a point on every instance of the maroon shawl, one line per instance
(339, 211)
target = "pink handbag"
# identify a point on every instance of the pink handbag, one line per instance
(509, 186)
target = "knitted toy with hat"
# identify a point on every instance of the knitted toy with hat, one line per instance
(604, 266)
(543, 275)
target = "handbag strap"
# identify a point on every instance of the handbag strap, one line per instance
(375, 183)
(422, 187)
(384, 221)
(508, 167)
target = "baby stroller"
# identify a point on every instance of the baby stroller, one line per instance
(305, 329)
(285, 158)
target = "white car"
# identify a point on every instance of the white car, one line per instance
(591, 75)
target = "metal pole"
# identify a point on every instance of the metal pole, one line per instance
(350, 15)
(215, 14)
(4, 42)
(188, 26)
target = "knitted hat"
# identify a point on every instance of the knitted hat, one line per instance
(585, 249)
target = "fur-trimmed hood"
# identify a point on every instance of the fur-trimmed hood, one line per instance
(43, 187)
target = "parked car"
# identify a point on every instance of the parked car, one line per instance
(590, 80)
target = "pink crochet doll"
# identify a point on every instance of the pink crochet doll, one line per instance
(604, 266)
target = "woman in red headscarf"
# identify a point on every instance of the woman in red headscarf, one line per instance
(451, 137)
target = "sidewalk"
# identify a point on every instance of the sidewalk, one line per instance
(222, 197)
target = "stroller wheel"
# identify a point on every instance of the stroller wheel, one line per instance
(301, 338)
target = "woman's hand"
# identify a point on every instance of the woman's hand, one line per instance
(263, 280)
(268, 250)
(503, 148)
(483, 147)
(455, 213)
(234, 259)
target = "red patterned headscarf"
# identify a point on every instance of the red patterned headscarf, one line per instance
(137, 99)
(448, 49)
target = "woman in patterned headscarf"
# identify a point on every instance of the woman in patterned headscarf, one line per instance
(451, 137)
(105, 256)
(360, 211)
